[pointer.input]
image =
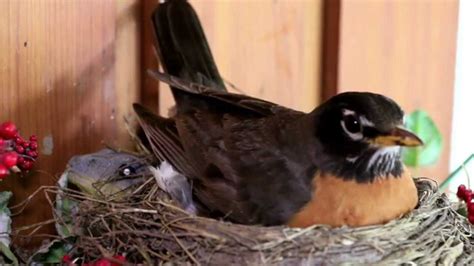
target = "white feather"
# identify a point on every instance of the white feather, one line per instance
(347, 112)
(380, 153)
(175, 184)
(354, 136)
(352, 159)
(366, 122)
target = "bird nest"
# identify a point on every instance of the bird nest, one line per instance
(148, 227)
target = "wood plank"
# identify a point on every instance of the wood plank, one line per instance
(59, 80)
(128, 64)
(268, 49)
(330, 52)
(405, 50)
(149, 95)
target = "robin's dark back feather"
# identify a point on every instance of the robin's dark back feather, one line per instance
(227, 136)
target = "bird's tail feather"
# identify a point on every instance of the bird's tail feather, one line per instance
(182, 45)
(178, 83)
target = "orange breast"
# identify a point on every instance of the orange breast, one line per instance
(336, 202)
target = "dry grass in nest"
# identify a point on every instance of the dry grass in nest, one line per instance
(149, 228)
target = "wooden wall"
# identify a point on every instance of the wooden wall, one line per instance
(405, 50)
(69, 71)
(268, 49)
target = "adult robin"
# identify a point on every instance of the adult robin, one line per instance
(255, 162)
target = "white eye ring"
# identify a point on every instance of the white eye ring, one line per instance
(353, 135)
(365, 122)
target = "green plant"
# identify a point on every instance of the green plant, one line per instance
(420, 123)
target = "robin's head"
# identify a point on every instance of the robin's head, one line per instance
(362, 133)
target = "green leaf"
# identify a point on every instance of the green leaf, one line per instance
(65, 208)
(5, 250)
(52, 252)
(5, 227)
(5, 219)
(420, 123)
(4, 198)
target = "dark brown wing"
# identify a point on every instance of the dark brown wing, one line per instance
(230, 145)
(249, 172)
(203, 97)
(248, 165)
(164, 139)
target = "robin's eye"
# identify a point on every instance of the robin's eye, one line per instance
(352, 126)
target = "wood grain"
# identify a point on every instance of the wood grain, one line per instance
(405, 50)
(128, 64)
(149, 94)
(59, 79)
(268, 49)
(330, 48)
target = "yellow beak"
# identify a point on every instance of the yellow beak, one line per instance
(398, 137)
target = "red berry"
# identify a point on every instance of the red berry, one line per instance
(8, 130)
(67, 258)
(26, 165)
(470, 208)
(33, 138)
(9, 159)
(461, 192)
(468, 196)
(20, 160)
(103, 262)
(19, 140)
(119, 257)
(3, 171)
(471, 218)
(33, 145)
(25, 144)
(32, 154)
(2, 143)
(20, 149)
